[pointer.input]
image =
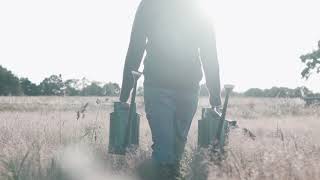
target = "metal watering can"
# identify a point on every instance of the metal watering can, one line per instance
(124, 123)
(213, 127)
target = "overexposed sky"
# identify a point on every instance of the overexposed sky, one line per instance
(259, 41)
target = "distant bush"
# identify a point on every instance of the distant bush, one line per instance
(254, 92)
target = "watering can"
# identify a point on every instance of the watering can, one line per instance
(124, 123)
(213, 127)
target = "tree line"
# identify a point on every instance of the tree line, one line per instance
(274, 92)
(280, 92)
(54, 85)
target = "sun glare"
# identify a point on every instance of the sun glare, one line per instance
(207, 7)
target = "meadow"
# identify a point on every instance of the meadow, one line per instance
(59, 138)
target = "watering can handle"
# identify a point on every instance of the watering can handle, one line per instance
(132, 110)
(136, 75)
(228, 89)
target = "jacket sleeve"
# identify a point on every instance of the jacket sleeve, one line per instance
(135, 52)
(209, 59)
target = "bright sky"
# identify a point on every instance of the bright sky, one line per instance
(259, 41)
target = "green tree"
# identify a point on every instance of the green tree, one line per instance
(93, 90)
(52, 86)
(273, 92)
(9, 83)
(312, 62)
(72, 87)
(280, 92)
(29, 88)
(111, 89)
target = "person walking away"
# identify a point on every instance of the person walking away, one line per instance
(179, 42)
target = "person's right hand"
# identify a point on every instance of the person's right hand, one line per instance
(124, 96)
(215, 101)
(217, 109)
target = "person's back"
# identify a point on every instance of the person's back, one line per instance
(172, 47)
(179, 42)
(172, 32)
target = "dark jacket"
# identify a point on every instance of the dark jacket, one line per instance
(179, 41)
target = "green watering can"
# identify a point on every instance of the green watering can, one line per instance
(124, 123)
(213, 127)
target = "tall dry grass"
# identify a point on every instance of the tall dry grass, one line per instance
(61, 138)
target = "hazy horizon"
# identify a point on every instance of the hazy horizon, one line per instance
(259, 43)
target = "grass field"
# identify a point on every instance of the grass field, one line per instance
(45, 138)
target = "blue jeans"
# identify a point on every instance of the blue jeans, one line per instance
(169, 113)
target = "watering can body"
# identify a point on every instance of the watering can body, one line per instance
(208, 127)
(122, 134)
